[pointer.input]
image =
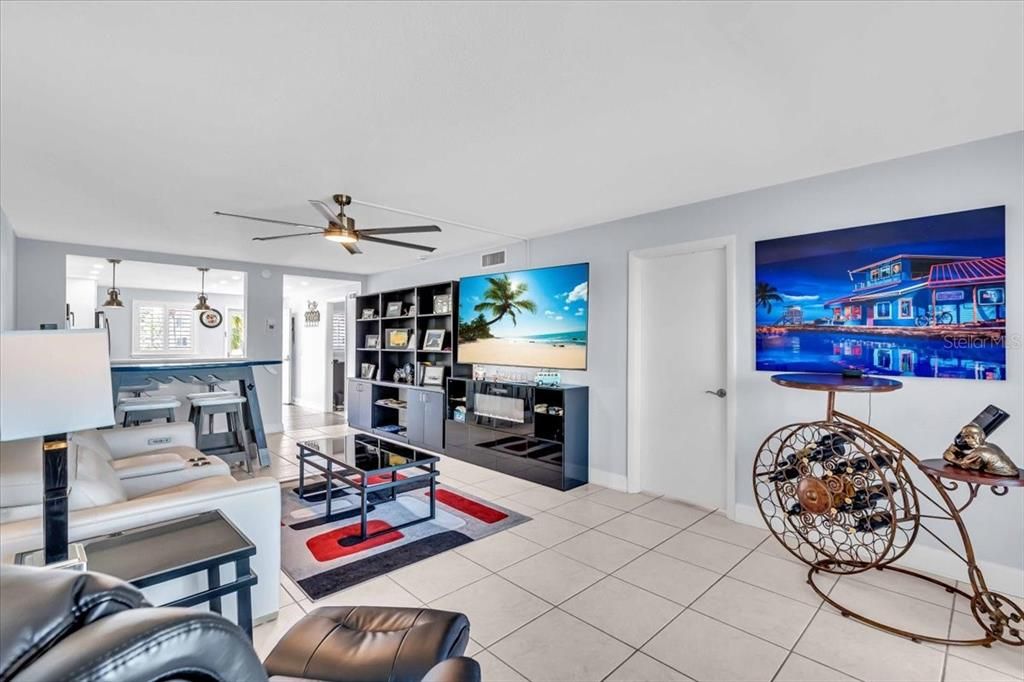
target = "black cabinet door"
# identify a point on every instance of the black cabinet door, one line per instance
(414, 417)
(433, 420)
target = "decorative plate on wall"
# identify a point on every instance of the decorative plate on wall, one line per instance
(211, 318)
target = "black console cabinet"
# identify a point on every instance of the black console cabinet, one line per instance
(537, 433)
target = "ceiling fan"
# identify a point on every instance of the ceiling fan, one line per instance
(342, 228)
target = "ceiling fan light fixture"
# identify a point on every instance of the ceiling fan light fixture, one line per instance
(113, 293)
(339, 235)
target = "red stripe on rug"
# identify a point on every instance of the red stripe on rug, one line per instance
(327, 546)
(380, 478)
(465, 505)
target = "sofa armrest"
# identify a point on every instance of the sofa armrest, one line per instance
(138, 440)
(253, 505)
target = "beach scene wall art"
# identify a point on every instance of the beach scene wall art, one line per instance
(526, 318)
(921, 297)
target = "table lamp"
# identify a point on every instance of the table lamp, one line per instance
(52, 383)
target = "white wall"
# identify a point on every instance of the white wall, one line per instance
(40, 279)
(7, 275)
(924, 415)
(81, 299)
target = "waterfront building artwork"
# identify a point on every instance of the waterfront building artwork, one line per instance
(918, 297)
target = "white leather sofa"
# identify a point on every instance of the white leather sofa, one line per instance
(120, 479)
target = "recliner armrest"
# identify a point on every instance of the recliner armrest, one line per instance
(137, 440)
(151, 644)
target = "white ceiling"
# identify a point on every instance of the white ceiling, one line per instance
(129, 123)
(139, 275)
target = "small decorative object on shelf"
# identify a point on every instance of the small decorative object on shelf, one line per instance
(410, 311)
(433, 375)
(479, 373)
(368, 370)
(547, 377)
(838, 495)
(442, 305)
(969, 450)
(372, 341)
(312, 315)
(433, 339)
(399, 339)
(459, 414)
(368, 314)
(394, 309)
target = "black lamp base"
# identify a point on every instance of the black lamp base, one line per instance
(55, 497)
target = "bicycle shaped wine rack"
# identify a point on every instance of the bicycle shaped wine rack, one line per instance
(838, 495)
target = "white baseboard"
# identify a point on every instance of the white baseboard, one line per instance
(608, 480)
(922, 557)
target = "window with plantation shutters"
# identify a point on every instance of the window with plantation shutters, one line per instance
(338, 332)
(161, 328)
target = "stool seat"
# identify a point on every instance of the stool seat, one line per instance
(229, 399)
(208, 394)
(369, 643)
(149, 404)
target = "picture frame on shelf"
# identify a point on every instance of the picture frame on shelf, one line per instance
(372, 341)
(394, 309)
(368, 370)
(411, 311)
(443, 304)
(433, 375)
(368, 314)
(399, 339)
(433, 340)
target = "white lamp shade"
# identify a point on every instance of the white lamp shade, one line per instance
(53, 382)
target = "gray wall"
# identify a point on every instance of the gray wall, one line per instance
(41, 283)
(7, 260)
(924, 415)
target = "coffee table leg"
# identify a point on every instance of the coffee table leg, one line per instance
(302, 474)
(433, 490)
(330, 477)
(362, 512)
(244, 600)
(394, 494)
(213, 582)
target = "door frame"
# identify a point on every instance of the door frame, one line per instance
(635, 364)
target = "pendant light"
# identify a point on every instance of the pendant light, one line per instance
(113, 294)
(202, 305)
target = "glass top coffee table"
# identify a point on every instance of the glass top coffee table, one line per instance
(367, 465)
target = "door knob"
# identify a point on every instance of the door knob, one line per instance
(720, 392)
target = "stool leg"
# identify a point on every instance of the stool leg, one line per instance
(170, 415)
(240, 430)
(124, 421)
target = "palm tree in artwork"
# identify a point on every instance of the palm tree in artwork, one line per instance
(503, 298)
(765, 295)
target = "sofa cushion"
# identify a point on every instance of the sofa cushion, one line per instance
(94, 483)
(91, 440)
(21, 473)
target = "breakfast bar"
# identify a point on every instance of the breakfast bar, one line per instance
(128, 373)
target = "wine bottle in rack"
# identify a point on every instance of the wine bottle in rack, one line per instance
(862, 464)
(863, 499)
(784, 473)
(876, 521)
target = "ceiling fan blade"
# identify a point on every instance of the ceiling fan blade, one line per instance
(392, 242)
(401, 230)
(352, 248)
(268, 220)
(286, 236)
(325, 211)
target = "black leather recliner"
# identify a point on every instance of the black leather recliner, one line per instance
(66, 625)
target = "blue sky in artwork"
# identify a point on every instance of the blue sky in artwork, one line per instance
(561, 294)
(808, 270)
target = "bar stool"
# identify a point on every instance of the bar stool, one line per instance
(138, 389)
(213, 388)
(232, 407)
(147, 408)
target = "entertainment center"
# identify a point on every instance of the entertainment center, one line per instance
(415, 349)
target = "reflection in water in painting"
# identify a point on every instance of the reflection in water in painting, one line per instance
(882, 354)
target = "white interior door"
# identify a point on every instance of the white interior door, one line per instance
(681, 426)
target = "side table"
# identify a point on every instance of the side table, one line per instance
(162, 552)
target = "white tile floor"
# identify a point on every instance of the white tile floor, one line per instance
(602, 585)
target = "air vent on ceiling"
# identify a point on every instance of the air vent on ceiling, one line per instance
(491, 260)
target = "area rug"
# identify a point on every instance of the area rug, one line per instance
(319, 554)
